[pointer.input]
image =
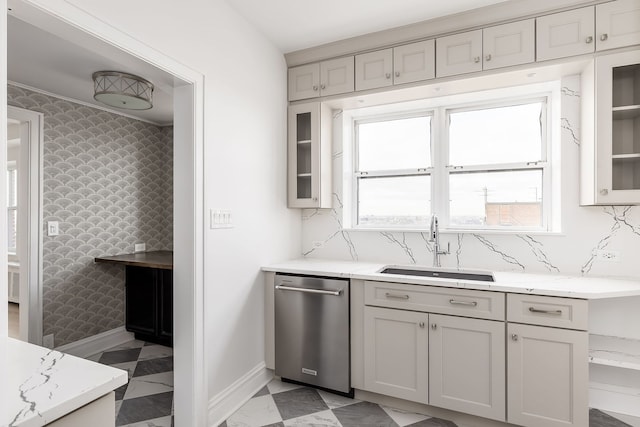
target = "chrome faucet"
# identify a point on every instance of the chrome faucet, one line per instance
(434, 236)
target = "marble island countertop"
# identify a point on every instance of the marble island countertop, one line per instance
(44, 385)
(523, 283)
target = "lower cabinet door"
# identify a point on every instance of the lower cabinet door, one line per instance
(165, 303)
(548, 376)
(466, 365)
(396, 353)
(141, 299)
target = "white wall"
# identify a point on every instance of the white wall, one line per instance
(245, 161)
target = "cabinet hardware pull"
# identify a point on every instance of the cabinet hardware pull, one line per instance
(471, 303)
(310, 290)
(514, 337)
(537, 310)
(388, 75)
(604, 191)
(398, 296)
(604, 37)
(476, 59)
(315, 199)
(434, 326)
(315, 88)
(322, 86)
(487, 58)
(397, 73)
(589, 39)
(421, 324)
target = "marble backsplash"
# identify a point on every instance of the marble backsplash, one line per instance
(585, 230)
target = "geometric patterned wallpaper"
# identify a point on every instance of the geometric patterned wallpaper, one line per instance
(108, 180)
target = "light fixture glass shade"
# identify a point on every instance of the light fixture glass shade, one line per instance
(122, 90)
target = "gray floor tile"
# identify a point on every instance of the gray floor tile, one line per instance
(154, 366)
(298, 402)
(144, 408)
(434, 422)
(264, 390)
(363, 414)
(120, 391)
(119, 356)
(224, 424)
(600, 419)
(280, 424)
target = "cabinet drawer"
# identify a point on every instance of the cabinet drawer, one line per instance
(432, 299)
(566, 313)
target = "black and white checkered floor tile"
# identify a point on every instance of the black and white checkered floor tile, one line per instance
(281, 404)
(147, 400)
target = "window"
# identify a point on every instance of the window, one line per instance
(12, 206)
(476, 166)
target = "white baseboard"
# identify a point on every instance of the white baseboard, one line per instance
(97, 343)
(229, 400)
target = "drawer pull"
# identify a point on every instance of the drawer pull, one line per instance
(397, 296)
(537, 310)
(456, 302)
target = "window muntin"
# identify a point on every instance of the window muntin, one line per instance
(495, 148)
(12, 208)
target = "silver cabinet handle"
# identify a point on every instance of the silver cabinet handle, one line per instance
(315, 88)
(388, 75)
(397, 296)
(487, 58)
(514, 337)
(604, 191)
(322, 86)
(537, 310)
(434, 326)
(604, 37)
(456, 302)
(309, 290)
(476, 59)
(589, 39)
(421, 324)
(397, 73)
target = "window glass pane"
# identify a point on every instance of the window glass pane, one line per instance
(12, 187)
(12, 222)
(395, 144)
(496, 135)
(496, 199)
(402, 201)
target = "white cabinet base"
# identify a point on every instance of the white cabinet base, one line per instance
(99, 413)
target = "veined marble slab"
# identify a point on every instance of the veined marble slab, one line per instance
(522, 283)
(43, 385)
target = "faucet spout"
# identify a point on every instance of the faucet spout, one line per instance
(434, 236)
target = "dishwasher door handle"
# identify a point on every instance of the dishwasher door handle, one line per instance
(309, 290)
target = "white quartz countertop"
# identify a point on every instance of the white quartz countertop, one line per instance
(44, 385)
(522, 283)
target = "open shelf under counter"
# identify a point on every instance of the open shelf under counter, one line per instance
(626, 157)
(626, 112)
(304, 142)
(614, 351)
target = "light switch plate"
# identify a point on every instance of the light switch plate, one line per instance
(139, 247)
(53, 228)
(220, 218)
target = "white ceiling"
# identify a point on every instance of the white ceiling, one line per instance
(298, 24)
(63, 66)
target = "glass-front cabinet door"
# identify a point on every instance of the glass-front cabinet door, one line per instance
(617, 129)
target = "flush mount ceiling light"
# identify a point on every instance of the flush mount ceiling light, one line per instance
(122, 90)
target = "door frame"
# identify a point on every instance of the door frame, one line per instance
(30, 227)
(190, 396)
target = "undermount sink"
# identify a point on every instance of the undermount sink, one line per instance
(439, 273)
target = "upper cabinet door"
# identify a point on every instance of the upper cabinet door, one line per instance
(459, 53)
(565, 34)
(304, 82)
(508, 44)
(374, 69)
(618, 24)
(414, 62)
(336, 76)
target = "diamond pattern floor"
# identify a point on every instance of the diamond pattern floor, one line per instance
(281, 404)
(147, 399)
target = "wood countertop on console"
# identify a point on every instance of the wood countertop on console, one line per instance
(154, 259)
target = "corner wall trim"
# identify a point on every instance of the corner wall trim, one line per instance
(229, 400)
(97, 343)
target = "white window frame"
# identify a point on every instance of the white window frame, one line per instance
(357, 174)
(440, 167)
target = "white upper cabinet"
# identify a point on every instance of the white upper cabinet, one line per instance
(326, 78)
(459, 53)
(414, 62)
(374, 69)
(565, 34)
(508, 44)
(618, 24)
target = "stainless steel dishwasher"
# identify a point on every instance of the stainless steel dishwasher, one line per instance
(312, 331)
